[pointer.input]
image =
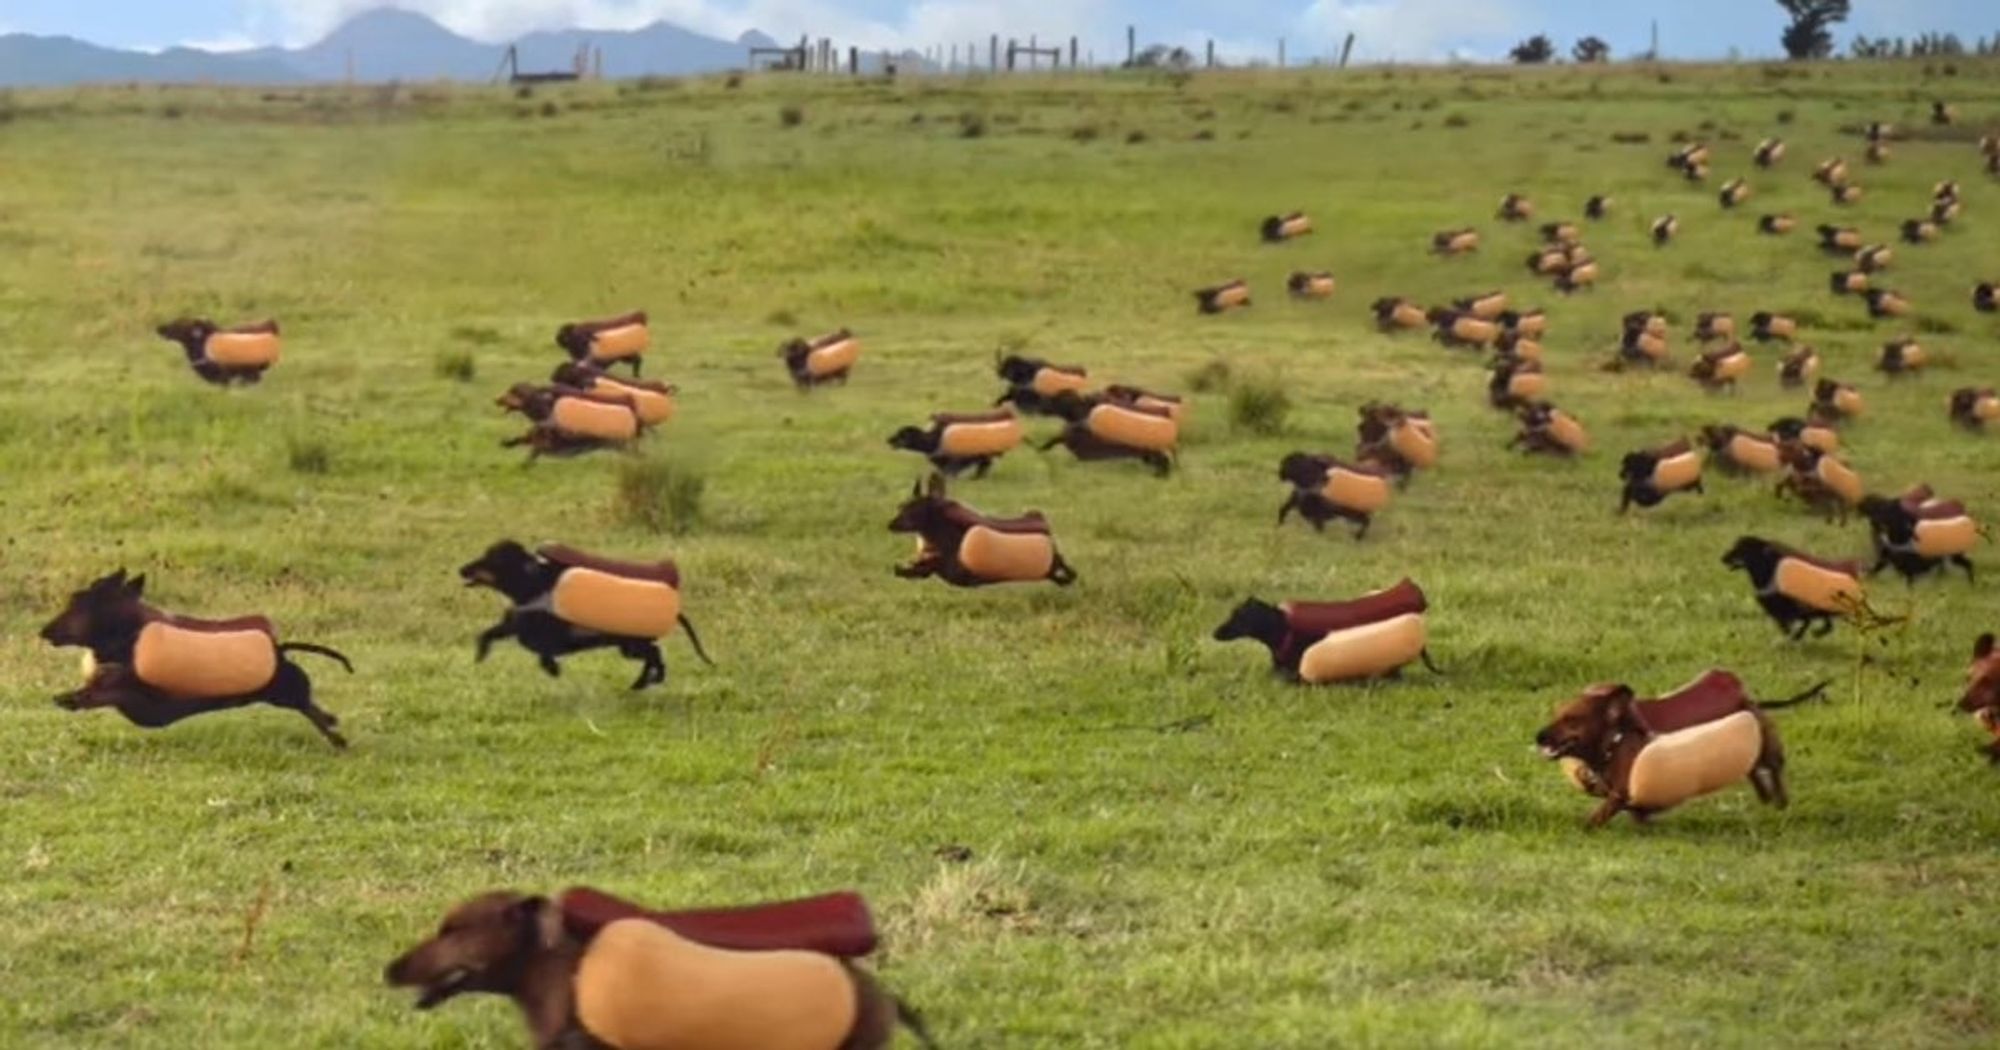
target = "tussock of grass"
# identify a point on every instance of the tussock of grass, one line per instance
(660, 492)
(455, 365)
(1213, 375)
(1259, 405)
(308, 455)
(966, 901)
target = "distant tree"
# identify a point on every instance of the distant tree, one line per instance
(1591, 50)
(1534, 51)
(1810, 35)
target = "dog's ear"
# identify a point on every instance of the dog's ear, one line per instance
(136, 586)
(1618, 705)
(1983, 648)
(541, 919)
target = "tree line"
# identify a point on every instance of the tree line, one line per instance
(1808, 35)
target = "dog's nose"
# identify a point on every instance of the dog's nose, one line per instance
(392, 974)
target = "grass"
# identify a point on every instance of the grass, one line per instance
(1166, 848)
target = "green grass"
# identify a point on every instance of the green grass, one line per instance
(1169, 849)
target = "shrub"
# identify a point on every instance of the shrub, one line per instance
(1457, 120)
(1084, 133)
(971, 126)
(1259, 405)
(455, 364)
(1135, 138)
(660, 493)
(308, 455)
(550, 109)
(792, 116)
(734, 81)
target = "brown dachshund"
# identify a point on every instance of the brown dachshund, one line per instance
(1982, 692)
(625, 985)
(1608, 731)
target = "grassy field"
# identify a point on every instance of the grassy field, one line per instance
(1169, 849)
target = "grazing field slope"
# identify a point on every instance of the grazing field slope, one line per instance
(1167, 847)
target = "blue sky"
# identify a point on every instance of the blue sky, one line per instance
(1402, 29)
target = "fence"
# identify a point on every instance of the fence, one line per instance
(1011, 55)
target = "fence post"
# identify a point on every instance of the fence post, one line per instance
(1211, 54)
(1131, 45)
(1281, 52)
(1072, 54)
(995, 53)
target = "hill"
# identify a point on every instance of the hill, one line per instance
(384, 44)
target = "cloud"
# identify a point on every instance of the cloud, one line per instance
(223, 44)
(919, 24)
(1411, 30)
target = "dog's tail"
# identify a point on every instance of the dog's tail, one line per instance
(1428, 664)
(1811, 694)
(688, 626)
(914, 1021)
(317, 650)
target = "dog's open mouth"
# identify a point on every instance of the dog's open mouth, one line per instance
(1550, 751)
(443, 988)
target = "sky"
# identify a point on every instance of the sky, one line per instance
(1404, 30)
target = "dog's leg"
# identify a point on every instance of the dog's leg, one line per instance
(1291, 504)
(549, 665)
(1610, 807)
(484, 647)
(653, 666)
(293, 690)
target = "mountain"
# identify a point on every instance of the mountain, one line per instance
(391, 44)
(385, 44)
(38, 61)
